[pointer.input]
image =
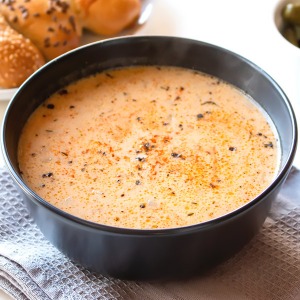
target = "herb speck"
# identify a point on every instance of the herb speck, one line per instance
(45, 175)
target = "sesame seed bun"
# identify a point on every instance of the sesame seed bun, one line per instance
(50, 24)
(19, 57)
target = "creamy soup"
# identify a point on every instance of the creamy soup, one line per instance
(148, 147)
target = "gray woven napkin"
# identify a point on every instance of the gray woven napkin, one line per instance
(267, 268)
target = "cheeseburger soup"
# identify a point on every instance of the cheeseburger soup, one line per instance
(148, 147)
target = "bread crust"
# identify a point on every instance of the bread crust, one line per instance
(107, 17)
(19, 57)
(36, 31)
(50, 24)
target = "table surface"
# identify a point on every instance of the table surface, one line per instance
(244, 27)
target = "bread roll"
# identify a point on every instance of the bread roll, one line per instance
(19, 57)
(107, 17)
(49, 24)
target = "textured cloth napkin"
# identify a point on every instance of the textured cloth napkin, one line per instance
(267, 268)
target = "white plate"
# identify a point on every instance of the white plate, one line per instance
(7, 94)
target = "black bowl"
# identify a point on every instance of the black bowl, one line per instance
(162, 253)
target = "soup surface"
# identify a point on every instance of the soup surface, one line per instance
(148, 147)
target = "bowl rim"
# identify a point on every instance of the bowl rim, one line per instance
(67, 217)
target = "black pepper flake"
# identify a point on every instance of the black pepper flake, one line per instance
(232, 148)
(146, 147)
(70, 162)
(200, 116)
(142, 159)
(137, 182)
(50, 106)
(269, 145)
(50, 174)
(71, 106)
(165, 123)
(260, 134)
(33, 154)
(176, 155)
(190, 214)
(142, 205)
(64, 153)
(122, 195)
